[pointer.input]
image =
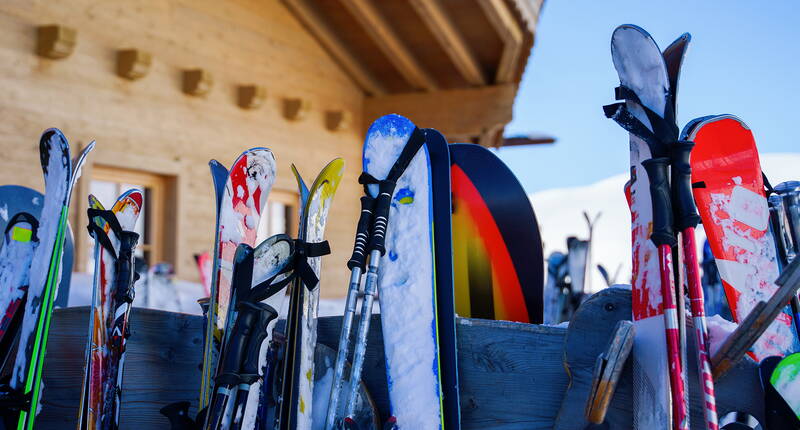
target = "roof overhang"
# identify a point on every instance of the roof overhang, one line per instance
(453, 65)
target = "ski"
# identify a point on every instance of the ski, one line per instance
(20, 240)
(297, 367)
(239, 203)
(60, 174)
(782, 389)
(729, 190)
(645, 86)
(112, 295)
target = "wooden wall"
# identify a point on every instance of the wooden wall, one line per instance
(152, 126)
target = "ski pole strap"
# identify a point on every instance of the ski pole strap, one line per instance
(125, 276)
(98, 231)
(24, 217)
(681, 180)
(359, 257)
(303, 251)
(656, 169)
(386, 186)
(664, 129)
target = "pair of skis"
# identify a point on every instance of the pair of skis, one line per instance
(112, 297)
(660, 197)
(21, 399)
(403, 239)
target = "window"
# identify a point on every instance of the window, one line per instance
(279, 215)
(108, 183)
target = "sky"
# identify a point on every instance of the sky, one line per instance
(744, 59)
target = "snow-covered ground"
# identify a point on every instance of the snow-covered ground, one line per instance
(560, 215)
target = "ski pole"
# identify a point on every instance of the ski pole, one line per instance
(356, 265)
(374, 239)
(663, 236)
(377, 248)
(788, 227)
(686, 219)
(249, 371)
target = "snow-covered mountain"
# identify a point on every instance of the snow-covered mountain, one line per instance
(560, 215)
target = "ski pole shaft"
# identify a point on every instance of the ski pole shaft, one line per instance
(356, 266)
(701, 329)
(370, 287)
(663, 236)
(686, 219)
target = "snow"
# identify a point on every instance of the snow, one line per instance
(405, 280)
(718, 331)
(560, 215)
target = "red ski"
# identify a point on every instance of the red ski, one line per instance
(729, 191)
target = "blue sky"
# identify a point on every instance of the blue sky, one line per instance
(744, 59)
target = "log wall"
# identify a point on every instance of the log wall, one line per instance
(150, 125)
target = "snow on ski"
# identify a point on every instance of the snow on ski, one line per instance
(60, 175)
(239, 206)
(406, 279)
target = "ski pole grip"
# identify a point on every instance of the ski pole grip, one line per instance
(685, 210)
(125, 274)
(266, 314)
(246, 317)
(359, 257)
(383, 204)
(656, 169)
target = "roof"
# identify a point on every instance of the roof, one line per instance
(449, 64)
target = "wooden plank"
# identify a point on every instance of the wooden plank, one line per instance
(161, 366)
(507, 27)
(511, 375)
(450, 39)
(461, 112)
(334, 46)
(395, 50)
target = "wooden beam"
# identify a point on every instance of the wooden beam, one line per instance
(507, 27)
(322, 32)
(461, 112)
(450, 39)
(381, 33)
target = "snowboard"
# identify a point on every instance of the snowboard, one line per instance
(729, 191)
(641, 67)
(15, 199)
(60, 175)
(239, 204)
(498, 258)
(407, 280)
(20, 240)
(294, 410)
(104, 365)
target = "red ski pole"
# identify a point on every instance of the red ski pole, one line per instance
(686, 219)
(663, 236)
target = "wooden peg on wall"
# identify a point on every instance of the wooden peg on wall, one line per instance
(55, 41)
(251, 96)
(133, 63)
(337, 120)
(295, 109)
(197, 82)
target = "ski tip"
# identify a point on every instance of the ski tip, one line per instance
(301, 184)
(390, 125)
(95, 203)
